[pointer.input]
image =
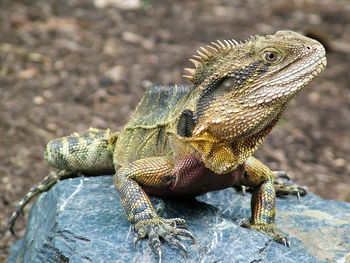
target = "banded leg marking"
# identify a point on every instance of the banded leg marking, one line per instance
(263, 203)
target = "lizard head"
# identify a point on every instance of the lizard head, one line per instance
(243, 90)
(244, 86)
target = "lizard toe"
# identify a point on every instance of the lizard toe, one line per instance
(176, 242)
(154, 243)
(281, 239)
(177, 222)
(175, 231)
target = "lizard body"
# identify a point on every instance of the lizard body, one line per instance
(184, 141)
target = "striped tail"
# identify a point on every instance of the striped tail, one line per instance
(90, 152)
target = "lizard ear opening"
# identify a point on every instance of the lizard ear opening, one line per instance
(228, 84)
(186, 124)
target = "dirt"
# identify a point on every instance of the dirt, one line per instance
(69, 65)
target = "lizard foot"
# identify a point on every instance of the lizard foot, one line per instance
(167, 229)
(268, 229)
(284, 187)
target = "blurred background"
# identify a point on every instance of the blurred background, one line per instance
(69, 65)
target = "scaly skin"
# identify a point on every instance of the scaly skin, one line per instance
(185, 141)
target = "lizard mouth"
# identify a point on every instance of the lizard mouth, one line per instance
(306, 73)
(285, 86)
(314, 69)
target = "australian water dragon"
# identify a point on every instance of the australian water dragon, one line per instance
(188, 140)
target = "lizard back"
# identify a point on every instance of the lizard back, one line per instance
(145, 135)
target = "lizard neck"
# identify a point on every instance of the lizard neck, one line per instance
(222, 153)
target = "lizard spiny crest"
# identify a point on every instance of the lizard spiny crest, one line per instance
(204, 56)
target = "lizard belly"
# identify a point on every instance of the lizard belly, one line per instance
(190, 177)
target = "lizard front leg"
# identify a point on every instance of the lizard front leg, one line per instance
(156, 173)
(263, 203)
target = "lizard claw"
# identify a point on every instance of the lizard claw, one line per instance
(167, 229)
(281, 239)
(286, 242)
(137, 239)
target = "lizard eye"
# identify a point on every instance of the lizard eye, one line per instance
(270, 56)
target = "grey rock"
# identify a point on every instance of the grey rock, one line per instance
(82, 220)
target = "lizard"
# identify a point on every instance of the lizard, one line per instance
(189, 140)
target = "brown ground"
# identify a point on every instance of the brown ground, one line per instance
(67, 66)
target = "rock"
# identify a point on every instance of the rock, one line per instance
(124, 5)
(82, 220)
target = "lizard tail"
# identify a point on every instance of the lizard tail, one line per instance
(44, 185)
(90, 152)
